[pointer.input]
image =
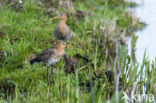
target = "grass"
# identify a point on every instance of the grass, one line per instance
(26, 33)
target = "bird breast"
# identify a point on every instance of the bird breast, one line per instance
(53, 61)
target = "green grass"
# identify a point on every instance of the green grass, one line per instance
(26, 33)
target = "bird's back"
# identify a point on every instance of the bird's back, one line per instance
(46, 56)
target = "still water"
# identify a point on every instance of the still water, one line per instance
(146, 11)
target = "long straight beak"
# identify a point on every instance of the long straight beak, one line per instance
(54, 18)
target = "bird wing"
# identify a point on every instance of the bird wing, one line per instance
(45, 55)
(58, 33)
(64, 33)
(68, 31)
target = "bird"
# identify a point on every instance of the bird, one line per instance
(62, 31)
(50, 56)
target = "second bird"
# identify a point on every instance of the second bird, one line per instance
(62, 31)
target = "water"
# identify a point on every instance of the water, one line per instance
(146, 11)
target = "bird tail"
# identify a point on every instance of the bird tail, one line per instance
(34, 60)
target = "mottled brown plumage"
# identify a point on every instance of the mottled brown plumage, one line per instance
(62, 31)
(51, 55)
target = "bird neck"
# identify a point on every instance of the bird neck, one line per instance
(61, 25)
(60, 51)
(59, 48)
(63, 20)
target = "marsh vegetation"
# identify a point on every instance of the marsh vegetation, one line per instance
(97, 69)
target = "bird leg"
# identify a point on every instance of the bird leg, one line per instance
(66, 48)
(47, 76)
(52, 73)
